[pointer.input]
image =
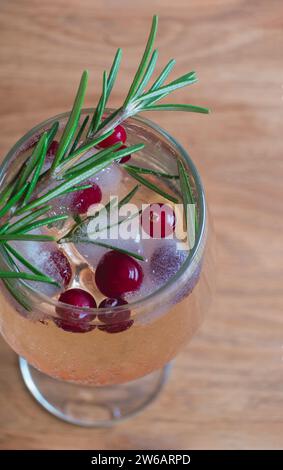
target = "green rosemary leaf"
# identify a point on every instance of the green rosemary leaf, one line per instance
(25, 220)
(41, 223)
(187, 192)
(77, 188)
(142, 66)
(51, 133)
(163, 75)
(149, 171)
(176, 107)
(13, 200)
(26, 276)
(21, 299)
(113, 71)
(10, 285)
(104, 245)
(31, 163)
(101, 105)
(91, 160)
(77, 154)
(151, 186)
(107, 88)
(37, 170)
(7, 191)
(102, 159)
(181, 82)
(72, 123)
(129, 196)
(80, 176)
(25, 237)
(79, 135)
(148, 73)
(109, 118)
(27, 264)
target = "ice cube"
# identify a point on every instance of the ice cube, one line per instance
(48, 259)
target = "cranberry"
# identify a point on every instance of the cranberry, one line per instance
(57, 266)
(53, 147)
(124, 159)
(85, 198)
(118, 273)
(75, 321)
(118, 135)
(116, 322)
(158, 220)
(165, 263)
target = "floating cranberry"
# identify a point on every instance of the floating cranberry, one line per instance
(84, 199)
(118, 135)
(124, 159)
(158, 220)
(116, 322)
(72, 320)
(58, 267)
(118, 273)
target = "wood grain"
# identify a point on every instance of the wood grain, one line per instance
(226, 390)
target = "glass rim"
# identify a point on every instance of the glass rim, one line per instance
(187, 264)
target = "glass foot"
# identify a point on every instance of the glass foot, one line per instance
(92, 406)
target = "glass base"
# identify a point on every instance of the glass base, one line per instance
(92, 406)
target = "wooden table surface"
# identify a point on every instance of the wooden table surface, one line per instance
(226, 389)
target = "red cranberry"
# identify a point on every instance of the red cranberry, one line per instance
(84, 199)
(76, 321)
(124, 159)
(118, 273)
(118, 135)
(116, 322)
(53, 147)
(165, 263)
(158, 220)
(57, 266)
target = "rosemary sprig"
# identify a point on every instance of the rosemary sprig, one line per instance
(139, 100)
(29, 191)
